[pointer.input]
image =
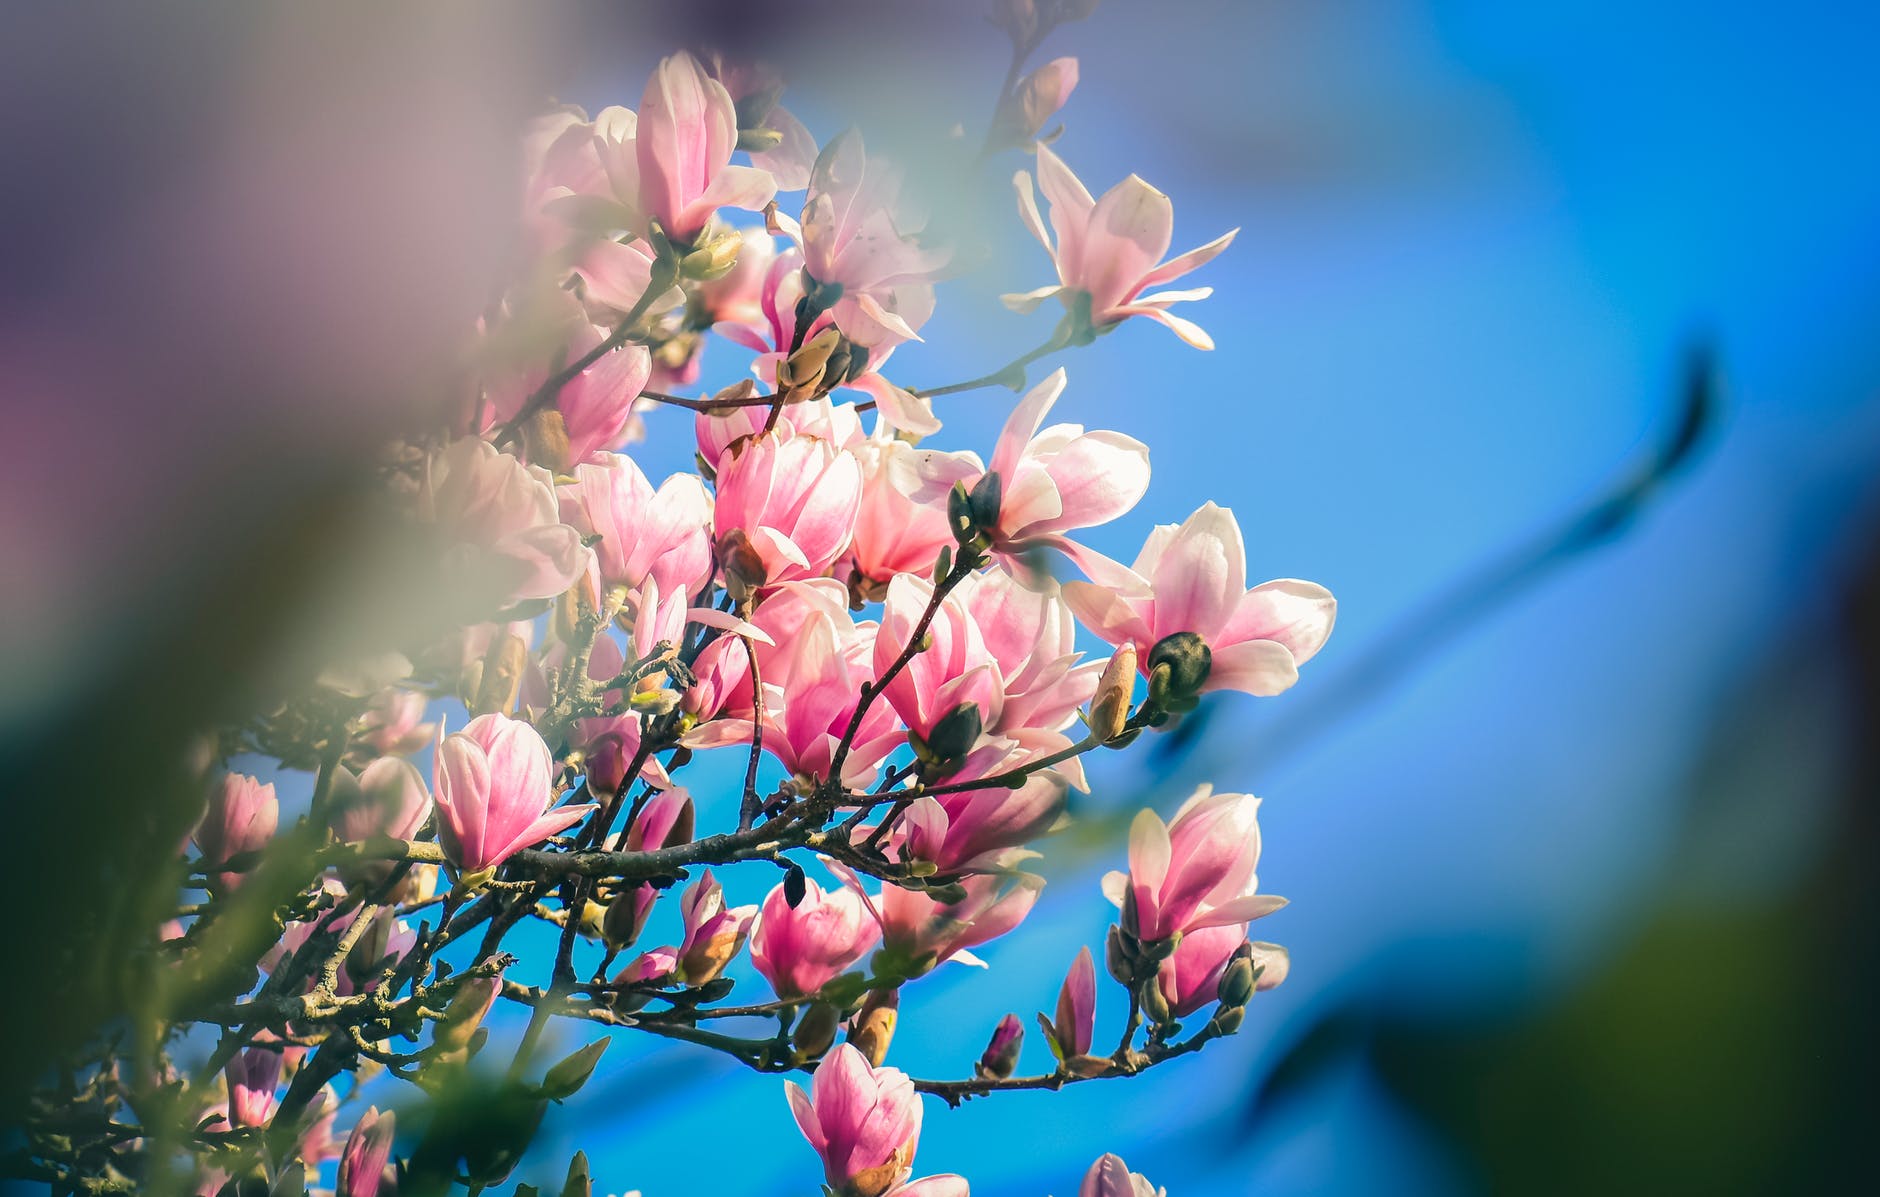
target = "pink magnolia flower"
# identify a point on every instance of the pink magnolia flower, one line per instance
(801, 949)
(1193, 578)
(253, 1074)
(714, 932)
(316, 1142)
(242, 816)
(393, 724)
(686, 134)
(897, 532)
(813, 658)
(500, 517)
(794, 497)
(772, 338)
(1032, 636)
(1195, 872)
(1107, 250)
(560, 163)
(387, 797)
(643, 533)
(922, 933)
(836, 423)
(368, 1148)
(598, 406)
(493, 782)
(864, 1122)
(656, 964)
(984, 829)
(955, 671)
(1062, 478)
(856, 235)
(1111, 1177)
(1076, 1018)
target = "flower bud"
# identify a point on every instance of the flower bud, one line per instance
(757, 141)
(801, 375)
(494, 686)
(1154, 1003)
(873, 1027)
(1119, 955)
(743, 566)
(545, 439)
(1227, 1019)
(466, 1010)
(952, 738)
(1236, 986)
(1044, 91)
(362, 1163)
(815, 1032)
(1189, 662)
(1109, 710)
(1000, 1059)
(565, 1079)
(580, 1182)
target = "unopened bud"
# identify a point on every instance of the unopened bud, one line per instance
(545, 438)
(1000, 1059)
(815, 1032)
(500, 679)
(466, 1010)
(873, 1027)
(1109, 710)
(625, 917)
(1236, 986)
(579, 1183)
(565, 1079)
(755, 107)
(954, 736)
(1155, 1002)
(1189, 661)
(800, 376)
(1119, 957)
(1227, 1019)
(742, 565)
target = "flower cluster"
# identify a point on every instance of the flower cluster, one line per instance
(865, 624)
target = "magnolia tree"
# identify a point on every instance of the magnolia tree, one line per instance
(878, 615)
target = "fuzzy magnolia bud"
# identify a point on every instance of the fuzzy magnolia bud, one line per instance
(1236, 986)
(565, 1079)
(953, 737)
(873, 1027)
(742, 564)
(1154, 1003)
(545, 437)
(1000, 1059)
(1109, 710)
(802, 374)
(580, 1182)
(1188, 661)
(974, 514)
(491, 687)
(815, 1032)
(465, 1013)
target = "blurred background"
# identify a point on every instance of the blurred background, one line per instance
(1574, 810)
